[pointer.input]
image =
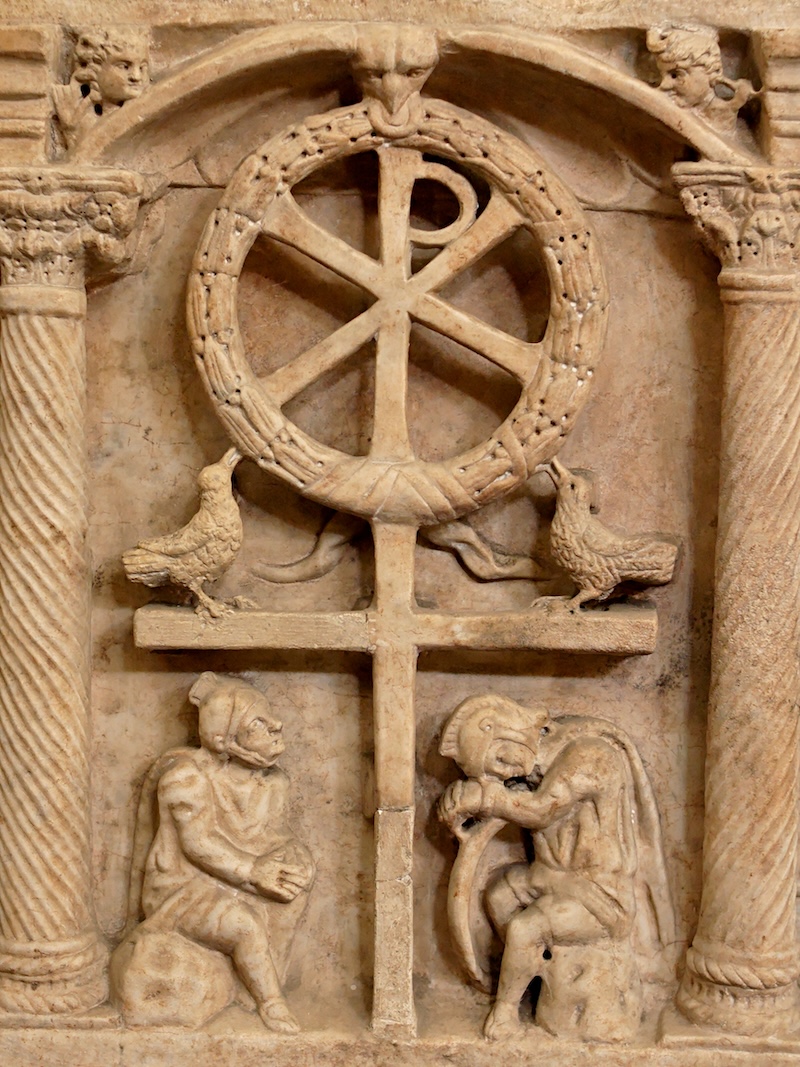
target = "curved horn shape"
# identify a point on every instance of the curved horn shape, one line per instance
(472, 845)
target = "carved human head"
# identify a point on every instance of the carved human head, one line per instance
(492, 736)
(112, 64)
(392, 63)
(236, 720)
(689, 60)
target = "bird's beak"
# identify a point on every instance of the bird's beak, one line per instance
(231, 457)
(545, 468)
(394, 92)
(558, 471)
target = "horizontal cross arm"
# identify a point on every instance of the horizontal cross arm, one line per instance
(160, 627)
(548, 626)
(619, 629)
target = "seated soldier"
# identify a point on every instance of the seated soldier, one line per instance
(223, 848)
(579, 787)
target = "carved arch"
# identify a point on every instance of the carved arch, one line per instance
(252, 53)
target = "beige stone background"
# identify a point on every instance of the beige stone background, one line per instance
(649, 431)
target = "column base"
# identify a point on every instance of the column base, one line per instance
(103, 1017)
(44, 978)
(676, 1032)
(740, 1010)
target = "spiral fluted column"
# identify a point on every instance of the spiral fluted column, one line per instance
(51, 956)
(742, 969)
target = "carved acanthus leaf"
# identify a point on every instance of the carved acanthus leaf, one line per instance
(749, 217)
(51, 218)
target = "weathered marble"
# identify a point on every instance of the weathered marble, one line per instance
(337, 329)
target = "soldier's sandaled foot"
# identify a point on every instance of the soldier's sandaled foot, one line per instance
(275, 1015)
(502, 1022)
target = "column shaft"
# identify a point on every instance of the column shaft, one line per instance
(52, 958)
(50, 954)
(742, 968)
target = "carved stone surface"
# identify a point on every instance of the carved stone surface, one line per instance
(215, 865)
(553, 374)
(566, 916)
(109, 67)
(595, 557)
(51, 958)
(350, 306)
(690, 64)
(743, 968)
(166, 979)
(390, 485)
(202, 550)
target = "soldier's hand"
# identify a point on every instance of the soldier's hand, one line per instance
(273, 877)
(460, 800)
(495, 796)
(297, 859)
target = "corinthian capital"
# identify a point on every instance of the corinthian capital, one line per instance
(52, 220)
(749, 216)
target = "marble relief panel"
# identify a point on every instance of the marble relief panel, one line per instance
(410, 423)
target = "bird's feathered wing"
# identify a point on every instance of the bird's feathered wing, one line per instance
(637, 557)
(189, 538)
(151, 562)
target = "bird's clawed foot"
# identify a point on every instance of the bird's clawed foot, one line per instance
(208, 607)
(211, 607)
(583, 596)
(553, 603)
(502, 1022)
(570, 604)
